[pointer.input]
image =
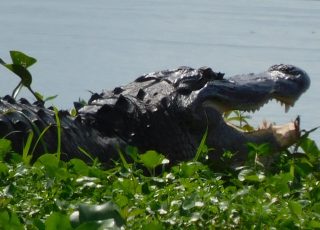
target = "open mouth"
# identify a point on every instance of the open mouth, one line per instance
(285, 103)
(223, 107)
(285, 134)
(249, 92)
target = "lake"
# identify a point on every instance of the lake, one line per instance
(93, 45)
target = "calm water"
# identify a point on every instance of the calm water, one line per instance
(90, 45)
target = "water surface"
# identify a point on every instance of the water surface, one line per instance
(93, 45)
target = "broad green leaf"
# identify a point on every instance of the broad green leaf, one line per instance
(316, 206)
(154, 225)
(303, 167)
(50, 162)
(20, 63)
(9, 221)
(133, 153)
(151, 159)
(79, 167)
(310, 147)
(189, 169)
(129, 186)
(281, 182)
(38, 224)
(314, 224)
(260, 150)
(121, 200)
(19, 58)
(4, 170)
(295, 208)
(22, 72)
(58, 221)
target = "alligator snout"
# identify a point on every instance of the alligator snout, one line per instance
(290, 83)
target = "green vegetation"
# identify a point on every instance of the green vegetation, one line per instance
(53, 194)
(147, 194)
(19, 66)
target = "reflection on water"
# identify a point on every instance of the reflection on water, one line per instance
(82, 45)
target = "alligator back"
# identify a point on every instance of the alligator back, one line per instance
(19, 118)
(147, 113)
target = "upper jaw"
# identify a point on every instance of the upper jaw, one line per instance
(284, 83)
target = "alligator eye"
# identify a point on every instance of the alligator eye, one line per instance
(209, 74)
(118, 90)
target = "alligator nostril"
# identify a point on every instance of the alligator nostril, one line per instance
(287, 69)
(118, 90)
(292, 75)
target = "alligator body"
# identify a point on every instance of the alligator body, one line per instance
(167, 111)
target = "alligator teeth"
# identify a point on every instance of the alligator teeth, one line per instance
(287, 107)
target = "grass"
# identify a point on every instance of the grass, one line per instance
(52, 194)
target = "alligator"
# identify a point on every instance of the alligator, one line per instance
(168, 111)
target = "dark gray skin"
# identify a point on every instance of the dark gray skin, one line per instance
(166, 111)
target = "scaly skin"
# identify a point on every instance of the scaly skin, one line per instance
(167, 111)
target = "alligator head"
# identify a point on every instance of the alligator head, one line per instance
(169, 111)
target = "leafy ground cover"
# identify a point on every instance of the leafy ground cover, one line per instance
(147, 194)
(52, 194)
